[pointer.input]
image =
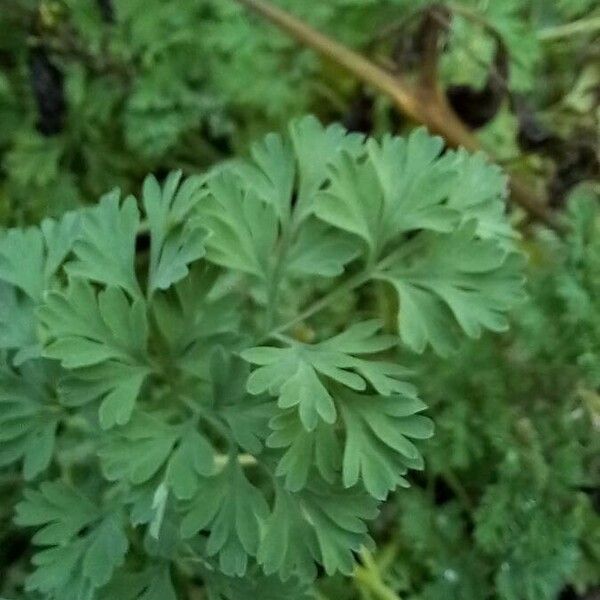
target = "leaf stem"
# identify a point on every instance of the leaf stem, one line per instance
(244, 460)
(276, 276)
(346, 287)
(369, 577)
(368, 272)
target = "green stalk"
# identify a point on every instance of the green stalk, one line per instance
(369, 577)
(345, 288)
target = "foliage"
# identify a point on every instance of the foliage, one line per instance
(204, 381)
(94, 94)
(508, 509)
(172, 405)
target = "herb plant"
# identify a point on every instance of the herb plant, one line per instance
(98, 93)
(186, 403)
(507, 508)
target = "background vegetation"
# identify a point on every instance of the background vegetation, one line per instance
(96, 94)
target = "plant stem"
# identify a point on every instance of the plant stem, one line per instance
(421, 107)
(349, 285)
(370, 577)
(276, 276)
(245, 460)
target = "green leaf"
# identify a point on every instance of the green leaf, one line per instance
(318, 448)
(117, 385)
(176, 238)
(29, 258)
(140, 450)
(104, 339)
(290, 374)
(415, 179)
(195, 314)
(105, 251)
(17, 319)
(84, 546)
(233, 510)
(136, 452)
(320, 524)
(288, 546)
(247, 417)
(377, 448)
(106, 549)
(480, 193)
(256, 585)
(316, 147)
(192, 459)
(61, 509)
(28, 421)
(353, 203)
(293, 373)
(22, 260)
(243, 226)
(271, 173)
(59, 237)
(83, 564)
(320, 250)
(402, 187)
(276, 164)
(153, 583)
(456, 278)
(86, 329)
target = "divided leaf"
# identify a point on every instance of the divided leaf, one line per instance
(22, 260)
(291, 374)
(86, 329)
(479, 193)
(296, 373)
(232, 510)
(177, 239)
(153, 583)
(304, 450)
(194, 315)
(17, 321)
(136, 452)
(28, 420)
(316, 147)
(243, 227)
(29, 258)
(320, 524)
(402, 187)
(271, 173)
(256, 584)
(246, 417)
(455, 278)
(193, 458)
(320, 250)
(84, 545)
(104, 338)
(105, 251)
(377, 448)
